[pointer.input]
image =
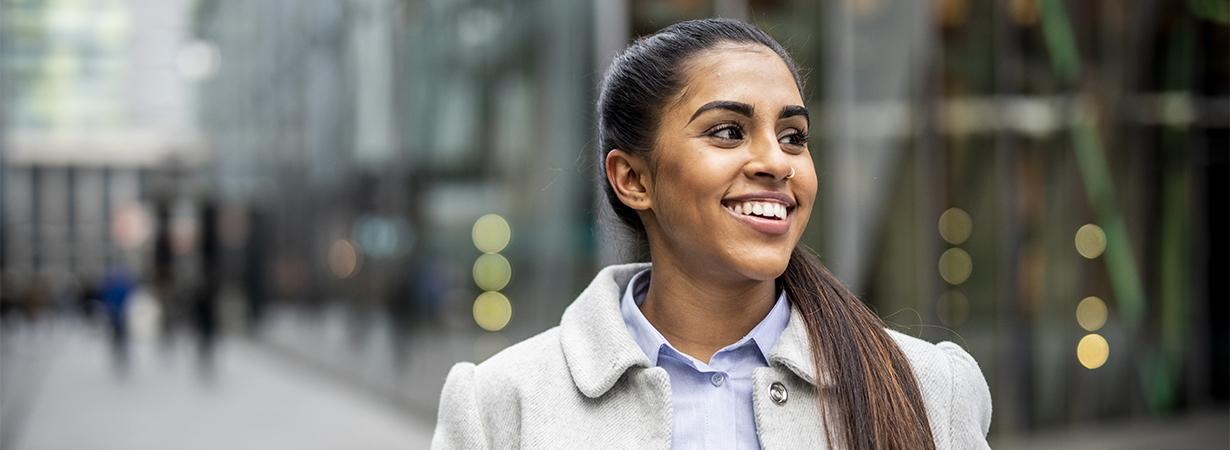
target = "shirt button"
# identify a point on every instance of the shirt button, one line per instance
(717, 378)
(777, 393)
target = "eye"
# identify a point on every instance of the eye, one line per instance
(793, 138)
(728, 133)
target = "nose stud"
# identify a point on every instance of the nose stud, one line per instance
(791, 173)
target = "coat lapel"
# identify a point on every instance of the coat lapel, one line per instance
(599, 349)
(793, 350)
(597, 346)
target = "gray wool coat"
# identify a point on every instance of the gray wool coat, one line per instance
(586, 384)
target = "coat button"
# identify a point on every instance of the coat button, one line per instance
(777, 393)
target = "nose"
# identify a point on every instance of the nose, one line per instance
(767, 160)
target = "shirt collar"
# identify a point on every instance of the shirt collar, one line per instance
(598, 347)
(764, 335)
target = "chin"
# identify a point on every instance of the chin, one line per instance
(762, 265)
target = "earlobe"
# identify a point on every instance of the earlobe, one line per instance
(626, 173)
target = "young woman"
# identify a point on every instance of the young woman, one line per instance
(734, 336)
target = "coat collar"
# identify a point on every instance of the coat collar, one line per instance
(599, 349)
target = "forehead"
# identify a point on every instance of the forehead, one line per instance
(748, 73)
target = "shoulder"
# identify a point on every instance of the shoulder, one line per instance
(479, 402)
(954, 390)
(526, 363)
(939, 366)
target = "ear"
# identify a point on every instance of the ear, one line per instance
(628, 176)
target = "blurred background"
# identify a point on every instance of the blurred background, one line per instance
(277, 223)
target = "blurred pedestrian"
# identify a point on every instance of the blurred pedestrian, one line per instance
(205, 299)
(117, 287)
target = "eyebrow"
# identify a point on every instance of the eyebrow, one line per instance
(747, 110)
(736, 107)
(794, 110)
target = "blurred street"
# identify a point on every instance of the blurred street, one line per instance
(61, 390)
(1205, 430)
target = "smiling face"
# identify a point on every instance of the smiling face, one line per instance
(716, 197)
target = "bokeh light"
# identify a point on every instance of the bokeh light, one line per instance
(383, 236)
(492, 311)
(1090, 241)
(953, 308)
(1024, 12)
(955, 266)
(492, 272)
(955, 226)
(343, 258)
(1092, 351)
(184, 233)
(1091, 313)
(491, 233)
(198, 61)
(130, 226)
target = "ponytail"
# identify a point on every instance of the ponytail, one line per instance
(878, 403)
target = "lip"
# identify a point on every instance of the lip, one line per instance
(770, 227)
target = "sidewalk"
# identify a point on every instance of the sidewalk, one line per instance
(1194, 431)
(71, 398)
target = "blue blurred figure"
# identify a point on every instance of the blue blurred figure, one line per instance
(117, 286)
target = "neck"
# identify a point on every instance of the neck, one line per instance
(699, 313)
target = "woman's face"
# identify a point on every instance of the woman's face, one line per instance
(724, 148)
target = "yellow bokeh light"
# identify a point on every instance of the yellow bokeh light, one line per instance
(492, 311)
(955, 226)
(1024, 12)
(1090, 241)
(1091, 313)
(1092, 351)
(491, 233)
(955, 266)
(953, 308)
(492, 272)
(343, 258)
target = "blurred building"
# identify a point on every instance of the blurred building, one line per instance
(95, 111)
(401, 185)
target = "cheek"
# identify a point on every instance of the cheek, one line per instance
(693, 176)
(807, 191)
(679, 198)
(689, 191)
(811, 185)
(809, 181)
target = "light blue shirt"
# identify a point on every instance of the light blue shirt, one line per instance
(712, 402)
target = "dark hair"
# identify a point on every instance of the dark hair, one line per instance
(878, 403)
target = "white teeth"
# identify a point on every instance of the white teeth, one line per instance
(763, 209)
